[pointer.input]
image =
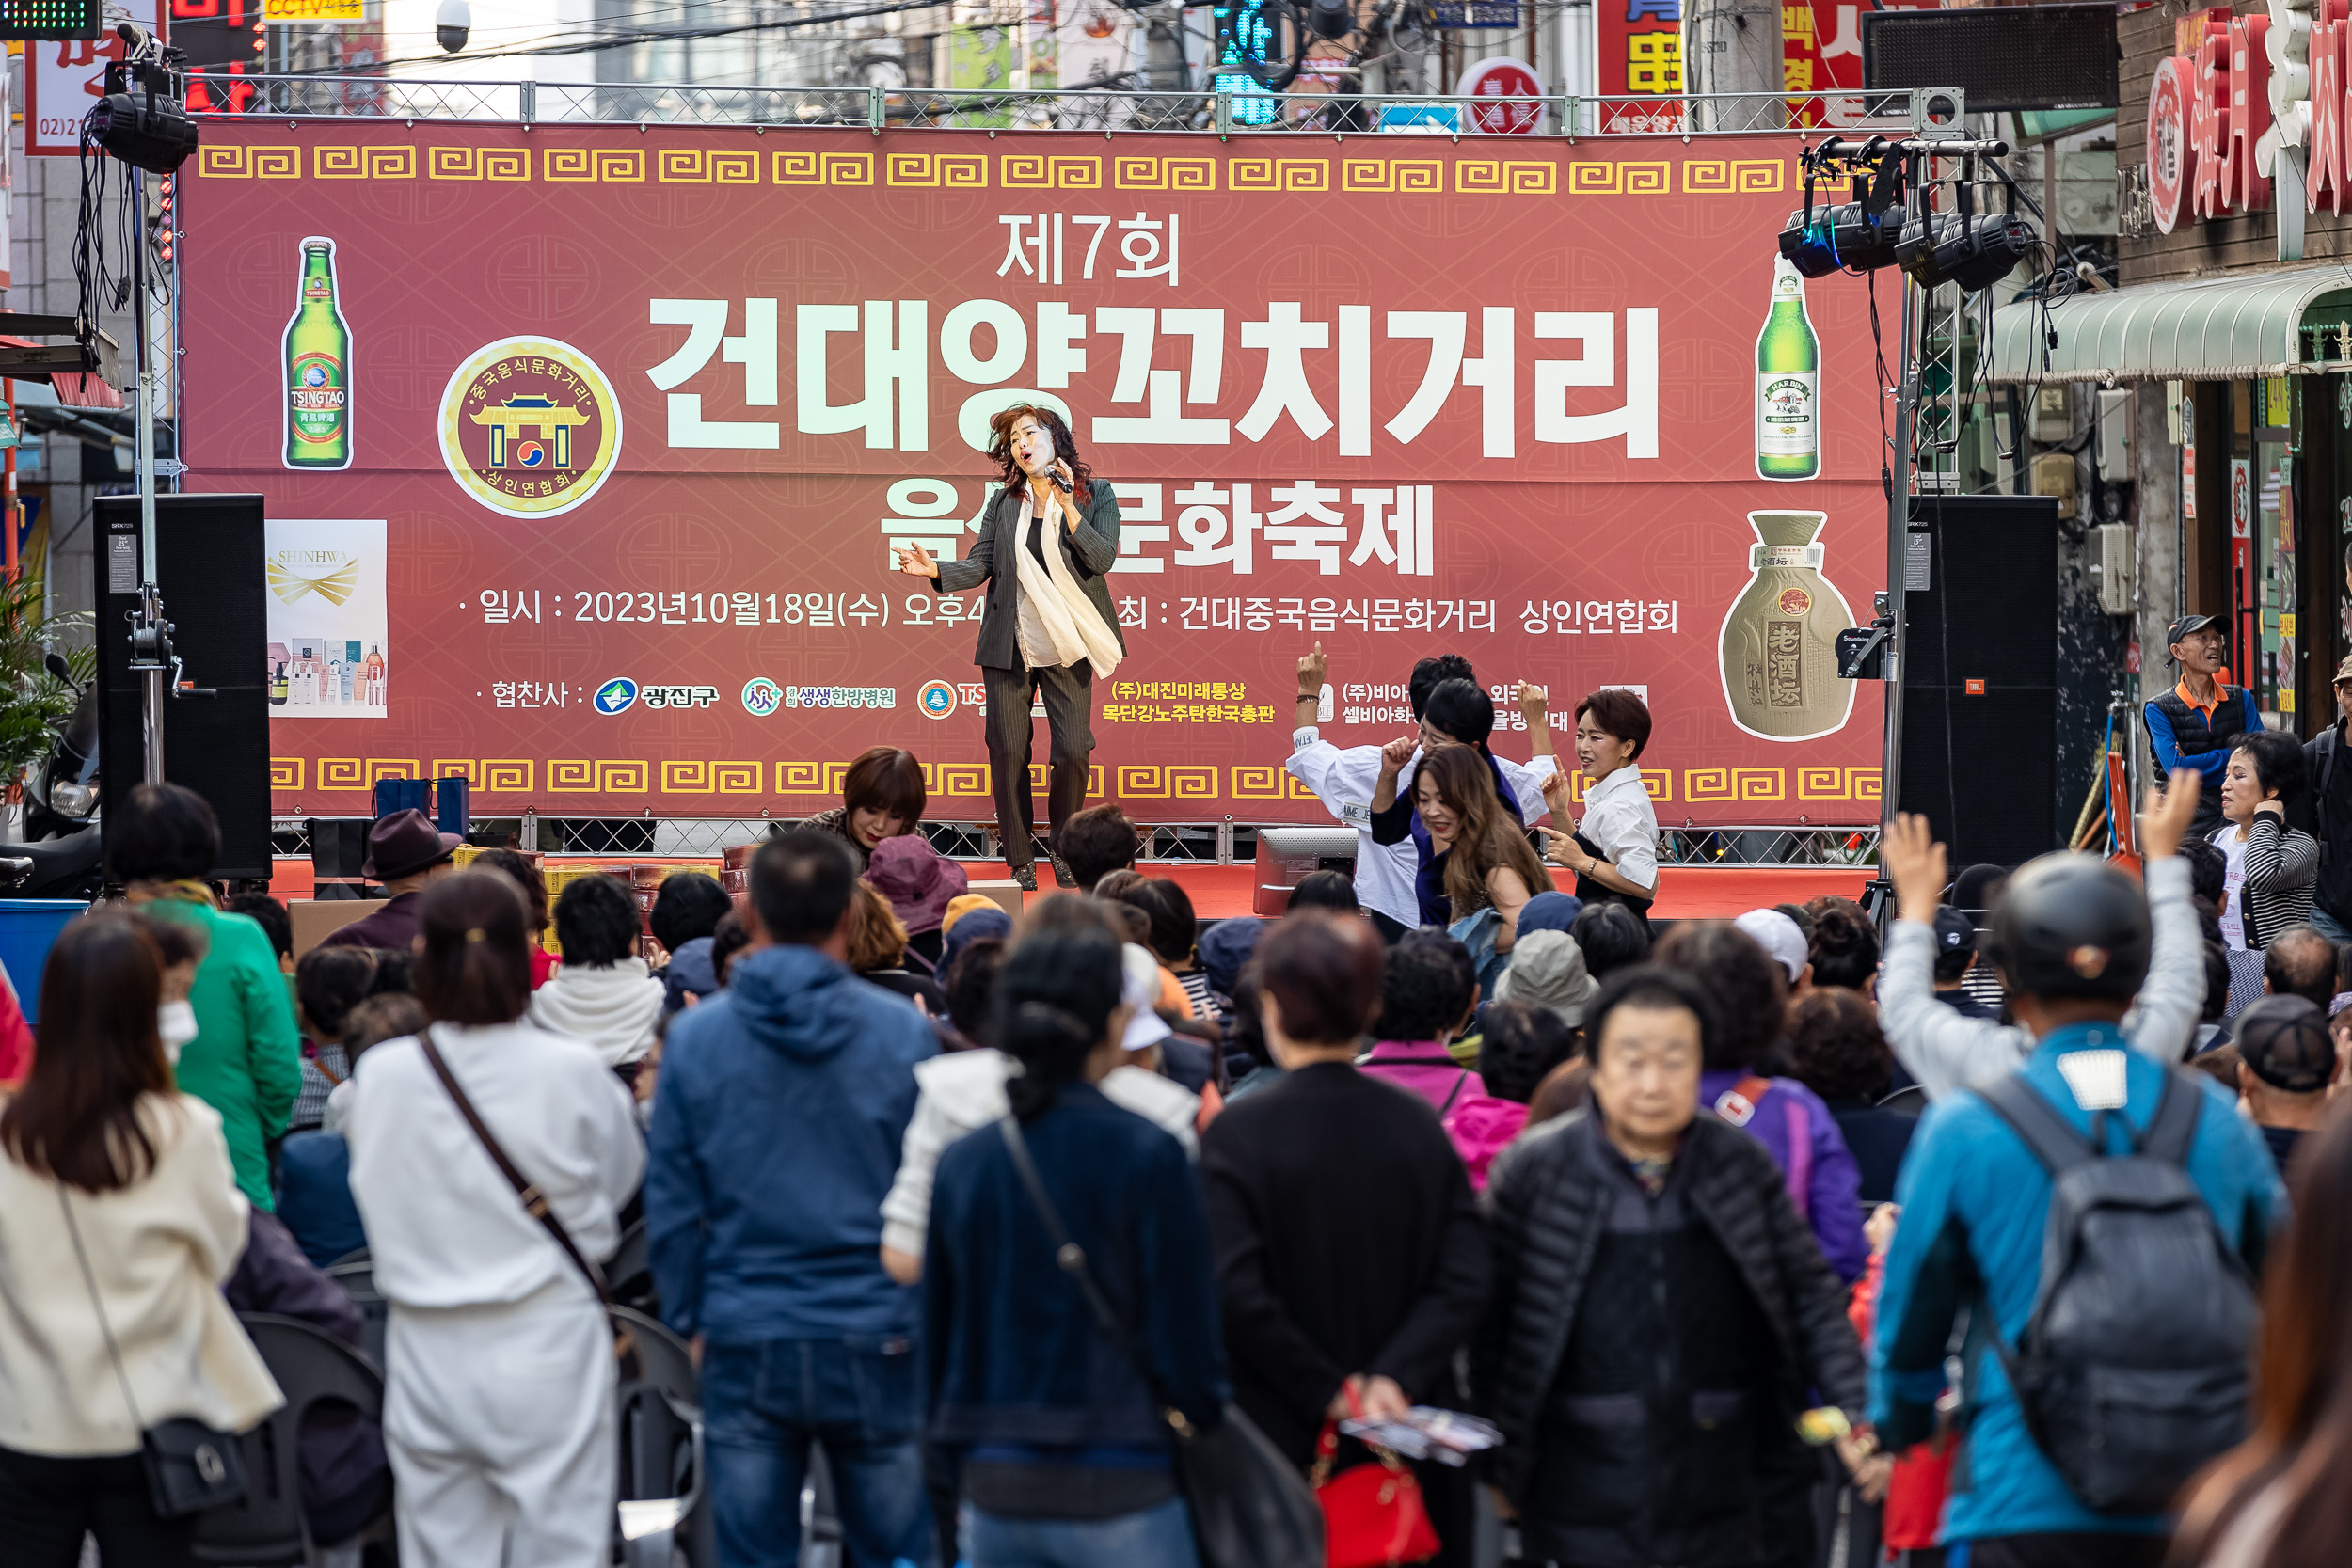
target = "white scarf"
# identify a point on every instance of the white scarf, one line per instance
(1072, 621)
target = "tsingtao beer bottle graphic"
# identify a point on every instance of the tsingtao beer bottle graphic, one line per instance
(1787, 384)
(1779, 648)
(318, 367)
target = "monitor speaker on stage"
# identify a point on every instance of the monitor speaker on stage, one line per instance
(209, 564)
(1288, 856)
(1980, 691)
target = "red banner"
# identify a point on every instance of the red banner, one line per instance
(585, 450)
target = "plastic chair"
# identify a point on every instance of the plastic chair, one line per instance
(628, 1272)
(664, 1512)
(376, 1313)
(266, 1528)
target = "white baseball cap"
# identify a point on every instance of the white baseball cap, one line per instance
(1778, 935)
(1139, 987)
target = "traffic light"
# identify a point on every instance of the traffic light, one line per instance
(162, 219)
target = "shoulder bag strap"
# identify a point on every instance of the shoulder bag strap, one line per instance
(534, 1201)
(2050, 1137)
(1072, 1260)
(2173, 1128)
(90, 1281)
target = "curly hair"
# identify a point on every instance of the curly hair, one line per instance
(1835, 1048)
(1065, 447)
(1845, 944)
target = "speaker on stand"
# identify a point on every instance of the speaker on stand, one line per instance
(209, 565)
(1981, 688)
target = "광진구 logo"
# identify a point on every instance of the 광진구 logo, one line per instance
(937, 698)
(528, 426)
(761, 696)
(617, 695)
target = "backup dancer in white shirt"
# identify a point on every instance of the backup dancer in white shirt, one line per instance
(498, 1408)
(1614, 850)
(1343, 780)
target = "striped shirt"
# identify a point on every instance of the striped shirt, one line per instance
(2281, 873)
(1196, 984)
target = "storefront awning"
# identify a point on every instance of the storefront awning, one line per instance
(2206, 329)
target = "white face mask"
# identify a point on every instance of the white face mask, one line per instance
(176, 1022)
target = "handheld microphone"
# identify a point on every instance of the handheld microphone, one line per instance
(1059, 484)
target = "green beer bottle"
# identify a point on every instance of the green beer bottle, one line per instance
(318, 368)
(1787, 384)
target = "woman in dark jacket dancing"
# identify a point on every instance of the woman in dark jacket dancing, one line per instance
(1659, 1310)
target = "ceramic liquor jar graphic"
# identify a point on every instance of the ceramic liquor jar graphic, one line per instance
(1779, 646)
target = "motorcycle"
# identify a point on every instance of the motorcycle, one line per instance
(61, 855)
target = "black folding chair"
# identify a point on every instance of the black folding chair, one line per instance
(266, 1528)
(664, 1508)
(628, 1272)
(376, 1313)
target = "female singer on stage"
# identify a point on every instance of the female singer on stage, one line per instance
(1049, 626)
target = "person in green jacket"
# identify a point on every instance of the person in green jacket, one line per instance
(246, 1059)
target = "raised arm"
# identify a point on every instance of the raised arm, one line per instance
(2172, 999)
(1094, 535)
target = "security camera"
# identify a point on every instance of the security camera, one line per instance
(452, 22)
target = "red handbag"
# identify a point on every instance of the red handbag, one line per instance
(1373, 1515)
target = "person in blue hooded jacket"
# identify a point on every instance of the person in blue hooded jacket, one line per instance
(776, 1132)
(2073, 941)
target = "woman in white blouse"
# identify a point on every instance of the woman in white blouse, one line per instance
(1614, 850)
(119, 1216)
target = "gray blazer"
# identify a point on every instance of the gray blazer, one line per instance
(1089, 549)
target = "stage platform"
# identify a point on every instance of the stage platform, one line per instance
(1685, 893)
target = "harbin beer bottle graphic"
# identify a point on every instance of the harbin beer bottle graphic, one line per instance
(1787, 384)
(1779, 647)
(318, 367)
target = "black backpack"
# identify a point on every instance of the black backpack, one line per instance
(2134, 1369)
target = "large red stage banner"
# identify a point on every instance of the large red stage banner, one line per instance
(586, 449)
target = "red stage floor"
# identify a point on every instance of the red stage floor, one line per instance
(1218, 891)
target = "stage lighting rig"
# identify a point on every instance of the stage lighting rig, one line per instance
(1857, 235)
(149, 128)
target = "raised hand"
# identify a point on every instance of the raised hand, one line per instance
(1311, 668)
(917, 561)
(1397, 753)
(2165, 814)
(1532, 704)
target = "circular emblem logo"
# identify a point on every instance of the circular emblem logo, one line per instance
(937, 698)
(529, 427)
(617, 695)
(761, 696)
(1795, 601)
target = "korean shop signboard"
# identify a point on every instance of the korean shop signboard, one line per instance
(586, 450)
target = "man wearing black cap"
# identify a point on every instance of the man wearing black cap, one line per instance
(2331, 816)
(405, 852)
(2288, 1058)
(2192, 725)
(1955, 956)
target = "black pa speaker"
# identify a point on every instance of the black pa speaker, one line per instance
(2006, 58)
(209, 564)
(1980, 685)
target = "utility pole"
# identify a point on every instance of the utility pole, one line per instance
(1733, 46)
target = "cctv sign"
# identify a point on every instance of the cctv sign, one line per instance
(63, 77)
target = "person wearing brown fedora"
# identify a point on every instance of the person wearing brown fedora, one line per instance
(404, 853)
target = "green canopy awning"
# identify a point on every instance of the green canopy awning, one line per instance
(2228, 328)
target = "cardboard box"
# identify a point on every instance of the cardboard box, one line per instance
(314, 921)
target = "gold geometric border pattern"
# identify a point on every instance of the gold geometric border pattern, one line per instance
(1016, 171)
(970, 780)
(1039, 171)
